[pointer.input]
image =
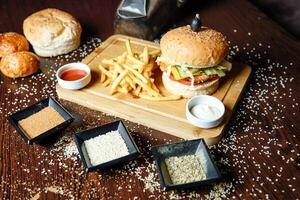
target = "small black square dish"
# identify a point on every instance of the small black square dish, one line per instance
(186, 164)
(105, 146)
(32, 122)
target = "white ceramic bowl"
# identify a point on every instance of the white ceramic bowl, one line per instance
(76, 84)
(209, 100)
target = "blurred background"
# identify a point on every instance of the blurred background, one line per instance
(285, 12)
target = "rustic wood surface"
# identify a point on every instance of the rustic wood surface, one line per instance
(259, 155)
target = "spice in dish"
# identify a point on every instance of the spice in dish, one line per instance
(40, 122)
(106, 147)
(185, 169)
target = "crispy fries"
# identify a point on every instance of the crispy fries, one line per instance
(133, 73)
(117, 81)
(104, 71)
(128, 47)
(136, 73)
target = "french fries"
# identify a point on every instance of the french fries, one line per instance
(133, 73)
(104, 71)
(117, 81)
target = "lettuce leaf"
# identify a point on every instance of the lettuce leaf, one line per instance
(181, 73)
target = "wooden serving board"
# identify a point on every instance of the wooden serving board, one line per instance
(165, 116)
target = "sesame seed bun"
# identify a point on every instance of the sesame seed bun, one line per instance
(52, 32)
(201, 49)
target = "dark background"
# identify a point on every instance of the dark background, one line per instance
(285, 12)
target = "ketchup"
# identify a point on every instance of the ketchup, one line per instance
(73, 74)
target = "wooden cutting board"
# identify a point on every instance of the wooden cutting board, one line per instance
(165, 116)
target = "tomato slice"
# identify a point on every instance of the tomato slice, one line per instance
(188, 80)
(185, 81)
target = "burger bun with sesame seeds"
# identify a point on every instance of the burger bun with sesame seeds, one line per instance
(193, 61)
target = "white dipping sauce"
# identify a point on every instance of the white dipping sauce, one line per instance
(205, 112)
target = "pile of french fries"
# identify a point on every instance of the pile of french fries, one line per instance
(133, 73)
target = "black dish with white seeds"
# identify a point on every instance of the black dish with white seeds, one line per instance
(105, 146)
(184, 165)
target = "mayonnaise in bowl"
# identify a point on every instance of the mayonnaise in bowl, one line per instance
(205, 111)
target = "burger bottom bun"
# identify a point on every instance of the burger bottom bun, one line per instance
(55, 51)
(186, 91)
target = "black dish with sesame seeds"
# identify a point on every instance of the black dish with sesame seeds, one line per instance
(192, 153)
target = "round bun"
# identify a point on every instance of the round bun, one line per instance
(12, 42)
(52, 32)
(201, 49)
(19, 64)
(186, 91)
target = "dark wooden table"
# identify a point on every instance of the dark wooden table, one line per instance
(259, 155)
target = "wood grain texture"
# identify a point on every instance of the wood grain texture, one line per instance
(260, 145)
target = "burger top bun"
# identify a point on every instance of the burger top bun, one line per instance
(201, 49)
(52, 32)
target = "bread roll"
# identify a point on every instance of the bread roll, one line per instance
(12, 42)
(19, 64)
(52, 32)
(201, 49)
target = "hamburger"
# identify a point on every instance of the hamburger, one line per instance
(193, 62)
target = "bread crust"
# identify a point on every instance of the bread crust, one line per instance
(11, 42)
(19, 64)
(177, 88)
(201, 49)
(52, 32)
